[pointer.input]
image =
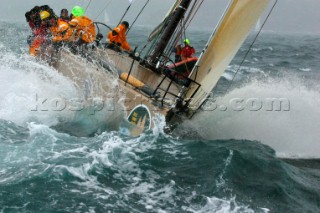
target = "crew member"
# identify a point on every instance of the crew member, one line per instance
(34, 21)
(187, 51)
(42, 33)
(64, 15)
(83, 28)
(117, 37)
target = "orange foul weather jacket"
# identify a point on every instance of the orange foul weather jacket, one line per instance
(84, 29)
(120, 37)
(61, 32)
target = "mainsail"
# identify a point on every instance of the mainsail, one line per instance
(234, 27)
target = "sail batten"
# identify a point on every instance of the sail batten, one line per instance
(236, 24)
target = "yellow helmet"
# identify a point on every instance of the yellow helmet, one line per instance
(44, 15)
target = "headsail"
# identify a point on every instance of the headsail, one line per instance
(231, 32)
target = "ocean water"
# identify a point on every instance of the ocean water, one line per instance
(252, 160)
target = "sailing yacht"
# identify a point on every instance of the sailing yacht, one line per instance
(149, 85)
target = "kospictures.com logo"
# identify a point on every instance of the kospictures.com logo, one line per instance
(249, 104)
(96, 104)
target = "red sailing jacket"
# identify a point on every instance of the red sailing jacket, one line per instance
(187, 52)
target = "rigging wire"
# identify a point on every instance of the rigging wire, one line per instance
(103, 25)
(88, 5)
(173, 43)
(161, 26)
(190, 17)
(184, 24)
(198, 7)
(154, 40)
(137, 16)
(125, 13)
(103, 10)
(254, 40)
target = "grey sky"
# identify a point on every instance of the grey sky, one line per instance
(289, 15)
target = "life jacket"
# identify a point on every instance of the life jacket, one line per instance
(84, 28)
(187, 52)
(62, 31)
(119, 39)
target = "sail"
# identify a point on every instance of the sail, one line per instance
(234, 27)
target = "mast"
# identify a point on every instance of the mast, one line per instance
(173, 22)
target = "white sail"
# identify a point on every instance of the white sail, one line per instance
(234, 27)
